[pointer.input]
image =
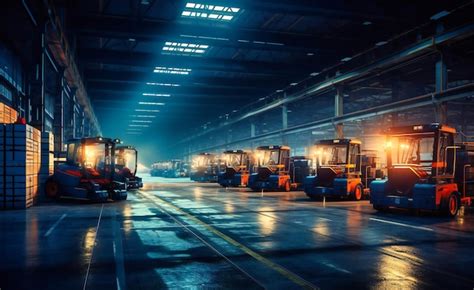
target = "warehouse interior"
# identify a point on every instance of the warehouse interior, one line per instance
(134, 134)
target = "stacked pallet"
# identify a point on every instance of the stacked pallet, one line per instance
(47, 159)
(20, 159)
(7, 114)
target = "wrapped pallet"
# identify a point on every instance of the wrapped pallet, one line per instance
(47, 160)
(7, 114)
(20, 160)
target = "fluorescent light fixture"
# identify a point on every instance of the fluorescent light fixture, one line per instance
(210, 12)
(293, 84)
(184, 48)
(156, 95)
(172, 70)
(134, 129)
(142, 116)
(380, 43)
(163, 84)
(151, 103)
(147, 111)
(141, 121)
(365, 23)
(310, 54)
(134, 133)
(137, 125)
(313, 74)
(279, 91)
(346, 59)
(204, 37)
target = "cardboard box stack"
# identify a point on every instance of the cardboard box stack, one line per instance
(7, 114)
(47, 159)
(20, 160)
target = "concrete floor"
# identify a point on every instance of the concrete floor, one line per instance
(178, 234)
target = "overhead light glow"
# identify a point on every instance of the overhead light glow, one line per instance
(205, 37)
(210, 12)
(147, 111)
(143, 116)
(184, 48)
(151, 103)
(134, 129)
(172, 70)
(163, 84)
(156, 95)
(137, 125)
(141, 121)
(346, 59)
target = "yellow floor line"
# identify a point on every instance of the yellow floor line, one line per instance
(283, 271)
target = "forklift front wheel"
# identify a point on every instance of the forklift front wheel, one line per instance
(453, 205)
(358, 192)
(51, 188)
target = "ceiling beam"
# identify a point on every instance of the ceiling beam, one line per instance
(109, 76)
(149, 60)
(164, 30)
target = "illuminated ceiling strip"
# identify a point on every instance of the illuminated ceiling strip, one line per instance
(163, 84)
(156, 95)
(151, 103)
(184, 48)
(141, 121)
(172, 70)
(147, 111)
(136, 125)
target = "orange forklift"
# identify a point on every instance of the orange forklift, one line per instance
(276, 170)
(238, 166)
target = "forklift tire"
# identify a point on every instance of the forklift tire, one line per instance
(358, 193)
(380, 207)
(51, 189)
(287, 186)
(453, 205)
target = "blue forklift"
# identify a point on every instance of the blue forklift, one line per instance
(340, 170)
(175, 168)
(126, 162)
(277, 171)
(425, 171)
(158, 169)
(238, 167)
(88, 172)
(205, 167)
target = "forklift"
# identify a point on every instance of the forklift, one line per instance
(176, 168)
(425, 171)
(340, 170)
(158, 169)
(205, 168)
(238, 166)
(88, 172)
(276, 170)
(126, 162)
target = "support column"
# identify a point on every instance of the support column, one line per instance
(252, 130)
(284, 123)
(339, 111)
(441, 73)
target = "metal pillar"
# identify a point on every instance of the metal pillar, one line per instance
(252, 130)
(339, 111)
(441, 72)
(284, 123)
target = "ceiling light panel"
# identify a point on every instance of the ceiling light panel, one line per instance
(184, 48)
(156, 95)
(163, 84)
(209, 12)
(172, 70)
(151, 103)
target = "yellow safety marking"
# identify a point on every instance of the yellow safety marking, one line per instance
(280, 269)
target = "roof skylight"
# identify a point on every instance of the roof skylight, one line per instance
(172, 70)
(184, 48)
(210, 12)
